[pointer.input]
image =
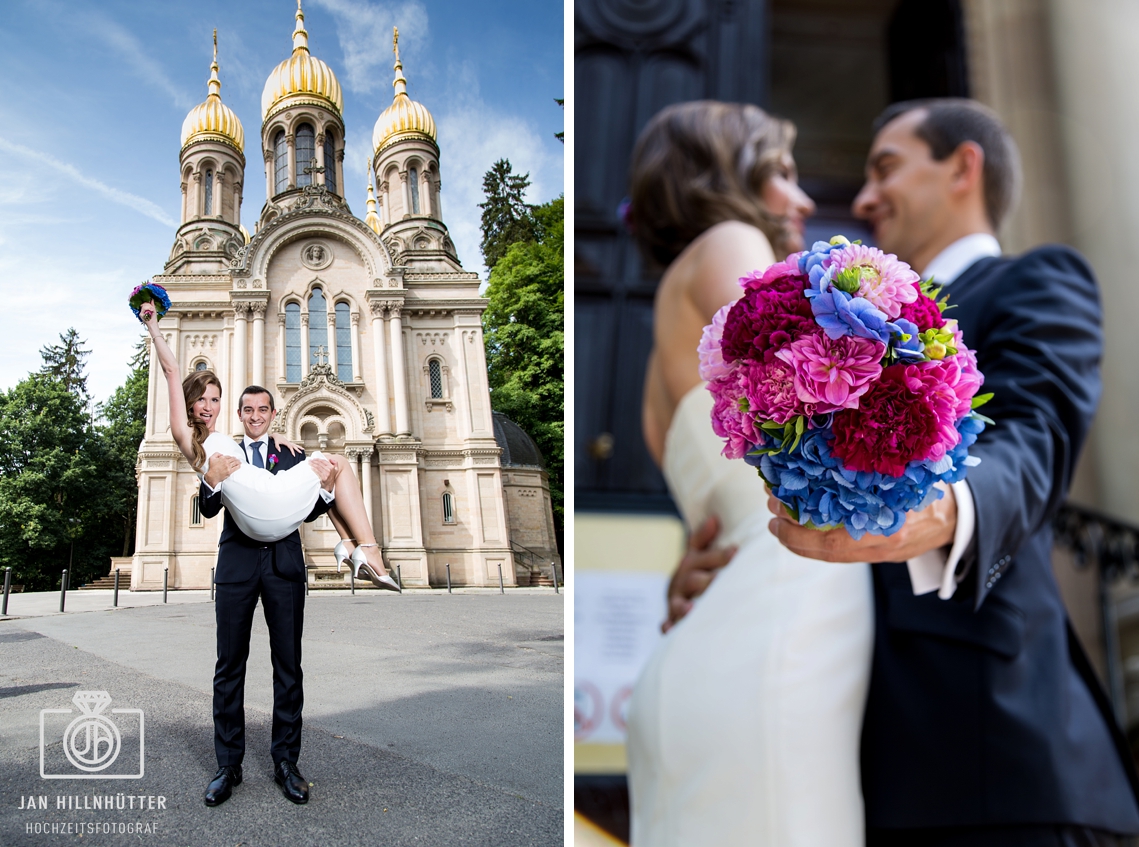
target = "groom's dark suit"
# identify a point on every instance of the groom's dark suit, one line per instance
(275, 573)
(983, 710)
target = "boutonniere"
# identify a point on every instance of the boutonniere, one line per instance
(273, 462)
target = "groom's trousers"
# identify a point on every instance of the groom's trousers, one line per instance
(283, 602)
(996, 836)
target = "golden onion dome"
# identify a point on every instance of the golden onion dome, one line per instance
(213, 119)
(301, 78)
(404, 118)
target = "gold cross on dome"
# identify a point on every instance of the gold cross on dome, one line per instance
(395, 42)
(321, 355)
(313, 168)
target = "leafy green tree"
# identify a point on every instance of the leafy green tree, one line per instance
(506, 217)
(122, 430)
(65, 361)
(524, 327)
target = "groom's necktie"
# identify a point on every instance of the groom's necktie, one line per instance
(258, 462)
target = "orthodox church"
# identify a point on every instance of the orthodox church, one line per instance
(368, 332)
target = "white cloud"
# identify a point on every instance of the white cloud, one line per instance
(472, 137)
(125, 198)
(365, 33)
(130, 48)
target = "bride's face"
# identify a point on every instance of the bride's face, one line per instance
(784, 198)
(207, 407)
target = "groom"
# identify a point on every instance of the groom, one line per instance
(984, 723)
(246, 571)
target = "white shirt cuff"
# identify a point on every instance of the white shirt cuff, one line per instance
(933, 570)
(327, 496)
(210, 489)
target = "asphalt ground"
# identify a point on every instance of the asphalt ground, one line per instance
(430, 719)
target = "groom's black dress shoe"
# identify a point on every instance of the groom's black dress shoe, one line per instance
(293, 785)
(221, 786)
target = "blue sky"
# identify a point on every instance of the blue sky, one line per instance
(92, 108)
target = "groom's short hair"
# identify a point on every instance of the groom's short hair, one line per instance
(256, 389)
(951, 121)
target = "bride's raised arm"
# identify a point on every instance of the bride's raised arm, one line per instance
(179, 420)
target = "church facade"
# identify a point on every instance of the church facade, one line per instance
(367, 331)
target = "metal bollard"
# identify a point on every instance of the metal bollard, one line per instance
(165, 580)
(212, 583)
(7, 589)
(352, 577)
(62, 589)
(399, 576)
(116, 603)
(501, 590)
(306, 583)
(448, 579)
(554, 571)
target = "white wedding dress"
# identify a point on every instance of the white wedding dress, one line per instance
(744, 726)
(265, 506)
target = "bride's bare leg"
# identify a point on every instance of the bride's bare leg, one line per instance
(350, 517)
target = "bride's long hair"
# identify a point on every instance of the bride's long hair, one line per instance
(193, 388)
(700, 163)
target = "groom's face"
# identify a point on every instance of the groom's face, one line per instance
(906, 196)
(256, 414)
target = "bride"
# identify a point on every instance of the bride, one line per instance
(265, 506)
(744, 726)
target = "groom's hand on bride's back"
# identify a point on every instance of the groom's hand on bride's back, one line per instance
(696, 571)
(931, 528)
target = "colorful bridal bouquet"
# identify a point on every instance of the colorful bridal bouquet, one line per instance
(838, 377)
(149, 292)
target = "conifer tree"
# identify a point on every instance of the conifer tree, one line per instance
(506, 217)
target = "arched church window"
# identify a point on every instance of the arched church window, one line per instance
(448, 507)
(280, 163)
(195, 511)
(330, 165)
(306, 151)
(201, 366)
(317, 326)
(435, 373)
(413, 178)
(344, 342)
(293, 342)
(209, 210)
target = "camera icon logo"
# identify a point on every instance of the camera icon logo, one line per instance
(91, 742)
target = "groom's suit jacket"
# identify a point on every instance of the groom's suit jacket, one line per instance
(238, 553)
(983, 709)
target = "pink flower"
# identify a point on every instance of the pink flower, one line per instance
(768, 318)
(770, 391)
(833, 373)
(711, 355)
(780, 270)
(923, 312)
(729, 421)
(883, 279)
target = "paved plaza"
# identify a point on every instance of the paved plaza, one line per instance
(430, 719)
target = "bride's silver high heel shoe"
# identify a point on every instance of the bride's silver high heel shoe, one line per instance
(358, 561)
(341, 554)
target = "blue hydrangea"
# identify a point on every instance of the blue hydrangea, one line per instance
(814, 483)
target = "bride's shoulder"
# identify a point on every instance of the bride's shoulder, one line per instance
(216, 442)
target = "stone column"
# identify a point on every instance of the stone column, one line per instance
(304, 344)
(366, 479)
(467, 420)
(320, 164)
(438, 202)
(426, 206)
(340, 171)
(184, 197)
(355, 336)
(259, 343)
(406, 186)
(282, 372)
(383, 416)
(219, 192)
(236, 204)
(152, 389)
(399, 371)
(269, 179)
(385, 203)
(240, 319)
(332, 337)
(290, 140)
(199, 199)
